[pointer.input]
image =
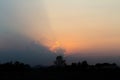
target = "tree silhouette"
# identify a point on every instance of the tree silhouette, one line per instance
(85, 64)
(60, 62)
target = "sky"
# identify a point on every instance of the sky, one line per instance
(35, 31)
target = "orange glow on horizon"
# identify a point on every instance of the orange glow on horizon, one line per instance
(69, 45)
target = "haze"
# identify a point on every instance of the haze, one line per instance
(38, 28)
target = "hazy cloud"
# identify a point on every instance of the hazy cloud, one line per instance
(18, 21)
(18, 47)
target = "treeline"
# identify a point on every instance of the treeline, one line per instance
(58, 63)
(60, 70)
(14, 66)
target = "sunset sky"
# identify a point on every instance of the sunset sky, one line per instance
(85, 24)
(69, 27)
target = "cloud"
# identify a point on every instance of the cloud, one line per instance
(14, 47)
(18, 21)
(26, 17)
(24, 22)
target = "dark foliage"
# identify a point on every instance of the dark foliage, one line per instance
(60, 71)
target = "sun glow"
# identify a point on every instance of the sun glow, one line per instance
(67, 45)
(55, 45)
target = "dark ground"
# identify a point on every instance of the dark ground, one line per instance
(60, 71)
(61, 74)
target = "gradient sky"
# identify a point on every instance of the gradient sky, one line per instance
(76, 27)
(85, 24)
